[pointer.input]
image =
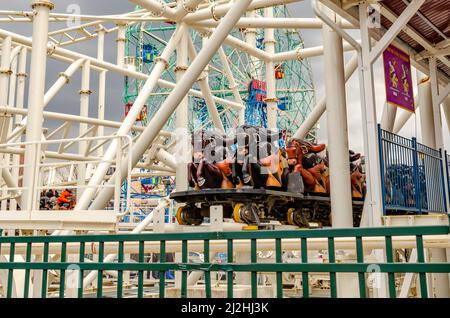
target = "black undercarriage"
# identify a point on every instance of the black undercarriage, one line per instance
(256, 206)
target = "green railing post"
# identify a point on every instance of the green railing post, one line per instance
(45, 272)
(332, 260)
(230, 272)
(184, 273)
(305, 275)
(162, 274)
(279, 260)
(254, 260)
(206, 260)
(12, 252)
(360, 260)
(101, 250)
(26, 288)
(390, 260)
(63, 271)
(81, 260)
(120, 272)
(421, 259)
(141, 272)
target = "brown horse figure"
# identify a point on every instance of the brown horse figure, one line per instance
(296, 150)
(357, 178)
(258, 163)
(202, 173)
(211, 166)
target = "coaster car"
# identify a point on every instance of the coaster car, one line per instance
(254, 178)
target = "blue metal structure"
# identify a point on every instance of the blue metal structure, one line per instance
(256, 108)
(412, 176)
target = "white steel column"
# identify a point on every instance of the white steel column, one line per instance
(439, 139)
(21, 76)
(372, 211)
(440, 282)
(446, 107)
(101, 85)
(372, 214)
(341, 199)
(121, 39)
(426, 110)
(388, 117)
(181, 117)
(178, 93)
(36, 96)
(5, 74)
(250, 38)
(338, 155)
(85, 92)
(271, 100)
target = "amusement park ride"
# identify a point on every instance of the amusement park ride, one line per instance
(217, 139)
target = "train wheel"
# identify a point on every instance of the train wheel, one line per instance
(189, 215)
(246, 213)
(237, 213)
(180, 216)
(290, 218)
(296, 217)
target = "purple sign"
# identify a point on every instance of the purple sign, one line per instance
(397, 73)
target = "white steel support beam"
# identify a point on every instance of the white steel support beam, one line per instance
(300, 54)
(444, 93)
(271, 100)
(5, 73)
(436, 110)
(85, 92)
(371, 215)
(179, 92)
(21, 75)
(70, 56)
(160, 66)
(205, 89)
(181, 117)
(275, 23)
(388, 117)
(426, 110)
(62, 80)
(373, 209)
(446, 107)
(216, 10)
(232, 84)
(440, 282)
(320, 108)
(101, 85)
(36, 96)
(395, 29)
(121, 39)
(340, 194)
(404, 116)
(158, 8)
(185, 7)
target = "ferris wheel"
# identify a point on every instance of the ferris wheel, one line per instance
(295, 88)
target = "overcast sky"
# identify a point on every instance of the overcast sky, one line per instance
(68, 99)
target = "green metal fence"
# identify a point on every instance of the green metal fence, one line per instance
(80, 244)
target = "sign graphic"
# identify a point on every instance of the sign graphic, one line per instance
(397, 73)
